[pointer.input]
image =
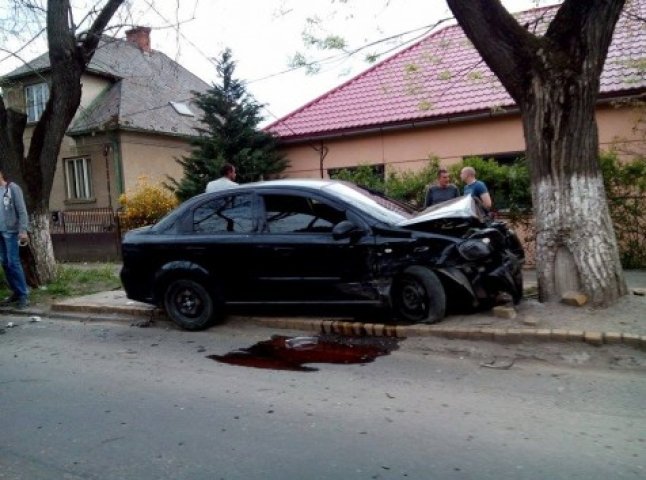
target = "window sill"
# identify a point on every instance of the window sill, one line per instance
(79, 201)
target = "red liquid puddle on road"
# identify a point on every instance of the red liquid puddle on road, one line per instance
(292, 353)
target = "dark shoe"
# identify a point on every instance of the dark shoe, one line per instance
(9, 301)
(22, 303)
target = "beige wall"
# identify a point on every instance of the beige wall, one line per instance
(152, 157)
(410, 149)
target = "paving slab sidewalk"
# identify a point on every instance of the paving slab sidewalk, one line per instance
(623, 323)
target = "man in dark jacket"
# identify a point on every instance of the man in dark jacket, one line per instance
(13, 230)
(441, 192)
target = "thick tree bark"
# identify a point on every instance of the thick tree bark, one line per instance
(555, 81)
(69, 55)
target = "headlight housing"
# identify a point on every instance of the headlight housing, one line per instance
(475, 249)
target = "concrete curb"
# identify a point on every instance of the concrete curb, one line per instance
(499, 335)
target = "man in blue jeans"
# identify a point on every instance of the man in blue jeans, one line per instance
(13, 229)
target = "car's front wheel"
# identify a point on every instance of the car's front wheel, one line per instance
(190, 305)
(418, 296)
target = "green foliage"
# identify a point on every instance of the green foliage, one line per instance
(72, 280)
(231, 135)
(364, 175)
(625, 184)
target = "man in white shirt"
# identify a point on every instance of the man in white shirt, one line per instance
(228, 173)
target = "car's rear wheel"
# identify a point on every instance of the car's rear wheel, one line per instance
(418, 296)
(190, 305)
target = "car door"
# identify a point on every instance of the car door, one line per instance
(299, 259)
(218, 235)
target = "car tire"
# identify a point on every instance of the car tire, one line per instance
(190, 305)
(418, 296)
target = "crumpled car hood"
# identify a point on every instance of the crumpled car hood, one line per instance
(457, 208)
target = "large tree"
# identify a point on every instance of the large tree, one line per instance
(554, 79)
(231, 134)
(70, 52)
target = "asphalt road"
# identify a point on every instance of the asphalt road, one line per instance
(109, 401)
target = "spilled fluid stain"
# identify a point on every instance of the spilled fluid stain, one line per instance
(292, 353)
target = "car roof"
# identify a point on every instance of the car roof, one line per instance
(290, 182)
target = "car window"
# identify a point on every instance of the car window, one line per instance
(378, 207)
(228, 214)
(296, 214)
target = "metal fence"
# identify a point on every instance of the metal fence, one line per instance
(90, 235)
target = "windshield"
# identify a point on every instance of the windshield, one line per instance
(377, 205)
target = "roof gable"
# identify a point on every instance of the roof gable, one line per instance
(443, 76)
(139, 99)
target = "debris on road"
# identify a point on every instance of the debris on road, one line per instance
(493, 365)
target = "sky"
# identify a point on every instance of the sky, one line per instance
(263, 35)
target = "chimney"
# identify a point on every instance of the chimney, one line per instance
(140, 36)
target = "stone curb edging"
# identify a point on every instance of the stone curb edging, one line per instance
(499, 335)
(114, 309)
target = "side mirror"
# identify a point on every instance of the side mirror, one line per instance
(346, 229)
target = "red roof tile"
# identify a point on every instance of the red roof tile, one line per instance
(443, 75)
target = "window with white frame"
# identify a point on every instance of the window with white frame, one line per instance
(36, 97)
(78, 176)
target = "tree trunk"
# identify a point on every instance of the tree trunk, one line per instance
(575, 239)
(41, 248)
(554, 78)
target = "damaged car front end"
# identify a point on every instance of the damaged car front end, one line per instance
(487, 259)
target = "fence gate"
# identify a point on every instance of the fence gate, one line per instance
(91, 235)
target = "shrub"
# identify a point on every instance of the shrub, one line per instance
(625, 184)
(364, 175)
(145, 205)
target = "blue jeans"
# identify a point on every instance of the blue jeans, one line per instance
(10, 257)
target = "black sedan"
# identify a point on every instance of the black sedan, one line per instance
(319, 242)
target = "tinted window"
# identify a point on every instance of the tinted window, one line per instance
(294, 214)
(227, 214)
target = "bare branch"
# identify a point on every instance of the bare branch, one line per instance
(94, 33)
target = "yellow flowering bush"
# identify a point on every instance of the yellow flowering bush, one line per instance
(145, 205)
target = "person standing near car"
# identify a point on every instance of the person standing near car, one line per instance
(226, 180)
(475, 188)
(13, 231)
(442, 191)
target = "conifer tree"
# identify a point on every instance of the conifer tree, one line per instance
(230, 135)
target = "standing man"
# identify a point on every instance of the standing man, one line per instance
(475, 188)
(13, 229)
(227, 179)
(442, 191)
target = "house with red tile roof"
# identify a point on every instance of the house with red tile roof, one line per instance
(438, 98)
